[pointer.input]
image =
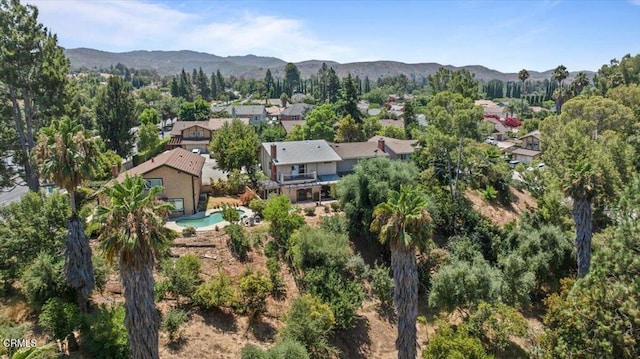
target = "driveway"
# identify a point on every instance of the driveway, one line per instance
(210, 170)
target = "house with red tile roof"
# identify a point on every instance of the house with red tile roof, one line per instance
(179, 172)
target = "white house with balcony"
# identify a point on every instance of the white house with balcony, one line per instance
(302, 170)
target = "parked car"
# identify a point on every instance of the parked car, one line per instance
(514, 163)
(490, 140)
(196, 151)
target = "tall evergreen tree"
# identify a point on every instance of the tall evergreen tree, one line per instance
(115, 111)
(268, 84)
(33, 72)
(348, 102)
(292, 78)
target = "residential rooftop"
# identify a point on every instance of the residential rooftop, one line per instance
(178, 158)
(294, 152)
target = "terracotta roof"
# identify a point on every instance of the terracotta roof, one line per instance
(525, 152)
(358, 150)
(396, 145)
(178, 158)
(289, 125)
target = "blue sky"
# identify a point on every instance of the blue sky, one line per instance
(502, 35)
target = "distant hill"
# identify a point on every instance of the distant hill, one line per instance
(252, 66)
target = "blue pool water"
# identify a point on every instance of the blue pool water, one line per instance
(211, 219)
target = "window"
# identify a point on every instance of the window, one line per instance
(301, 169)
(178, 204)
(152, 182)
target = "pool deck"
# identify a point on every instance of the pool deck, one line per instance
(171, 224)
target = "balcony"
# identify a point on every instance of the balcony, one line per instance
(300, 178)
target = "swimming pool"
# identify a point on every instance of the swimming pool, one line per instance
(208, 220)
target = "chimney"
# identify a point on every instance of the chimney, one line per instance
(274, 151)
(114, 170)
(381, 144)
(152, 157)
(274, 169)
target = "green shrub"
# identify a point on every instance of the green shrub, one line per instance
(489, 193)
(188, 231)
(327, 208)
(356, 268)
(310, 211)
(10, 330)
(183, 276)
(254, 290)
(172, 321)
(335, 224)
(271, 249)
(277, 282)
(104, 334)
(310, 322)
(101, 271)
(382, 284)
(47, 351)
(344, 296)
(59, 318)
(286, 349)
(44, 279)
(217, 292)
(238, 241)
(457, 344)
(335, 206)
(257, 206)
(314, 247)
(230, 214)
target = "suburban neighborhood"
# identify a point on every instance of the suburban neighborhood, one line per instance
(273, 180)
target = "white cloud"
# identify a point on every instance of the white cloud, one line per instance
(135, 25)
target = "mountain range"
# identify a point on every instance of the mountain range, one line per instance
(252, 66)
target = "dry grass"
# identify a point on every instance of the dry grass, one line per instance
(498, 214)
(215, 202)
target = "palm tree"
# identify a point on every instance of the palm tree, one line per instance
(559, 74)
(523, 75)
(67, 154)
(133, 231)
(580, 82)
(402, 221)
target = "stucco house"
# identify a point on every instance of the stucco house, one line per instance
(179, 172)
(256, 114)
(396, 149)
(303, 170)
(191, 135)
(525, 155)
(297, 111)
(351, 153)
(531, 141)
(299, 169)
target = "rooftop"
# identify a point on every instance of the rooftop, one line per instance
(525, 152)
(358, 150)
(535, 134)
(179, 159)
(289, 125)
(396, 145)
(294, 152)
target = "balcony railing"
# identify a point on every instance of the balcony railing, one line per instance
(299, 178)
